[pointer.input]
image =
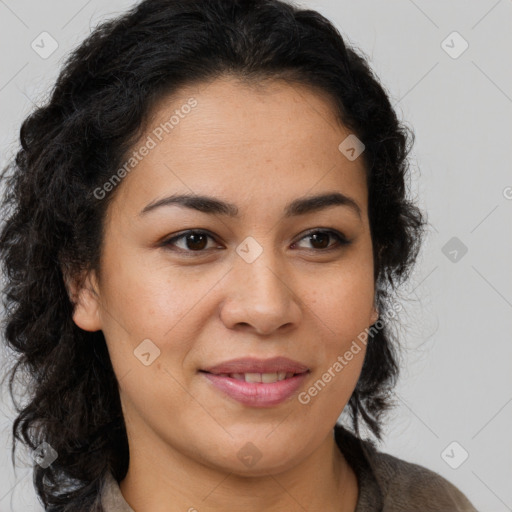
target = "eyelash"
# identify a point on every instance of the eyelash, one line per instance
(340, 239)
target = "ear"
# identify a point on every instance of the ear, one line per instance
(84, 293)
(374, 316)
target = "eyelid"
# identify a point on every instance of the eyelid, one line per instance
(341, 239)
(167, 242)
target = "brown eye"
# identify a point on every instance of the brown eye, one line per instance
(194, 241)
(319, 239)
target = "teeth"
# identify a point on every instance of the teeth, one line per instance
(258, 377)
(266, 378)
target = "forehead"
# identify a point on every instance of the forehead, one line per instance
(235, 114)
(240, 141)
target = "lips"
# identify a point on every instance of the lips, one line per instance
(266, 378)
(256, 394)
(250, 365)
(257, 382)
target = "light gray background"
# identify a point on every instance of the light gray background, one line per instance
(456, 323)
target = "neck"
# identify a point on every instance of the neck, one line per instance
(323, 481)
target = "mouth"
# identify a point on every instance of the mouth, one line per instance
(256, 389)
(252, 367)
(257, 382)
(266, 378)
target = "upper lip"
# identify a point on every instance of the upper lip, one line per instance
(254, 365)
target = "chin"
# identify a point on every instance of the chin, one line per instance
(251, 454)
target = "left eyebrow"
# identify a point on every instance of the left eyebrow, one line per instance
(214, 206)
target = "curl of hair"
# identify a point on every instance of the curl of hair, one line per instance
(99, 107)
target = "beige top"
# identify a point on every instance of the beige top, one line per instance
(386, 483)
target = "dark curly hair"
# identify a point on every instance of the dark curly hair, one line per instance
(52, 227)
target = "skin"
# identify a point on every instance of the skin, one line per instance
(259, 148)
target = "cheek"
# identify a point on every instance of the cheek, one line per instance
(340, 308)
(151, 298)
(340, 313)
(342, 300)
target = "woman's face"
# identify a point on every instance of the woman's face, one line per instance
(252, 285)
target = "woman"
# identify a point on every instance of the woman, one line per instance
(204, 229)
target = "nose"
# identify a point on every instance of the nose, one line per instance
(260, 297)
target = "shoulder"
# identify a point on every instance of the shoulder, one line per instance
(411, 487)
(398, 485)
(111, 498)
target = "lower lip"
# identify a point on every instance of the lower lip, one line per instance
(257, 394)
